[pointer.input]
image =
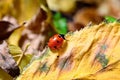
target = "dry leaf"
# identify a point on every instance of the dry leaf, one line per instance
(7, 62)
(6, 28)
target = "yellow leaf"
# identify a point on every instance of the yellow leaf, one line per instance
(4, 75)
(90, 54)
(28, 9)
(15, 36)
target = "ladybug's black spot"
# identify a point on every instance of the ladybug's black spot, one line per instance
(57, 41)
(55, 47)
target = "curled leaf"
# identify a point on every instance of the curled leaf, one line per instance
(6, 28)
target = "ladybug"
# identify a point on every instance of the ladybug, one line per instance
(56, 41)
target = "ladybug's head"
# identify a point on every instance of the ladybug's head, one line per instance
(62, 35)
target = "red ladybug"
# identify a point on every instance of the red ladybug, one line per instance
(56, 41)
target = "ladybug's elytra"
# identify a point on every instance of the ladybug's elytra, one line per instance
(56, 41)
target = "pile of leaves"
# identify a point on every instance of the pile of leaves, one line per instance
(21, 41)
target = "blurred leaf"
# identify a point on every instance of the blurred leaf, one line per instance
(6, 7)
(15, 36)
(7, 62)
(57, 16)
(35, 22)
(110, 19)
(60, 23)
(4, 75)
(27, 9)
(22, 10)
(60, 5)
(6, 28)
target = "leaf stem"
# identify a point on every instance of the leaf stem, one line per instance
(20, 59)
(22, 55)
(16, 56)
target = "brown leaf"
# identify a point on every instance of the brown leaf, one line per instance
(36, 21)
(37, 32)
(6, 28)
(7, 63)
(73, 26)
(86, 15)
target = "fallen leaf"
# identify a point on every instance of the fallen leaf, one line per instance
(92, 53)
